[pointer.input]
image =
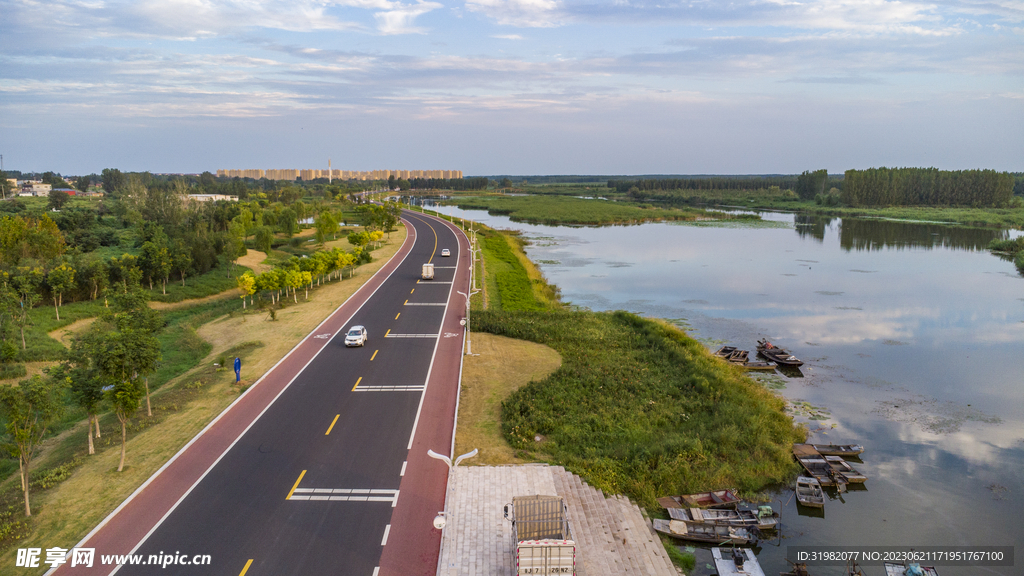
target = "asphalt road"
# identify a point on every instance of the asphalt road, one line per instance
(311, 486)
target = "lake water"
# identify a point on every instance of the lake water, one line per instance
(913, 342)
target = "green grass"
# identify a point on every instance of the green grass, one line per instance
(213, 282)
(44, 320)
(11, 371)
(556, 209)
(640, 408)
(180, 347)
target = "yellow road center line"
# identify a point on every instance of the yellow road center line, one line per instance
(374, 355)
(388, 332)
(411, 291)
(288, 496)
(331, 427)
(397, 315)
(407, 301)
(357, 383)
(246, 569)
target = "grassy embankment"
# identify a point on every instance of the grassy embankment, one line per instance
(1012, 249)
(559, 209)
(72, 492)
(636, 406)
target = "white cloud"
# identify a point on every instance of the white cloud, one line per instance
(523, 13)
(507, 36)
(399, 19)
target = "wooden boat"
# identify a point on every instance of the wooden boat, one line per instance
(776, 354)
(767, 521)
(839, 449)
(843, 468)
(710, 533)
(894, 569)
(736, 562)
(725, 352)
(741, 358)
(809, 493)
(713, 499)
(823, 472)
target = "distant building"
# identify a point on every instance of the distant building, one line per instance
(40, 189)
(70, 191)
(292, 175)
(212, 197)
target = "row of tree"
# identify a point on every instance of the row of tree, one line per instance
(711, 183)
(296, 273)
(927, 187)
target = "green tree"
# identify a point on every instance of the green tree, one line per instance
(326, 225)
(181, 256)
(29, 408)
(359, 239)
(27, 282)
(113, 180)
(61, 279)
(246, 286)
(264, 239)
(126, 355)
(58, 198)
(86, 380)
(82, 183)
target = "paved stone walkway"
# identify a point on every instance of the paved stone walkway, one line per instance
(611, 534)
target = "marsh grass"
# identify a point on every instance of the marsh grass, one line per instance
(639, 408)
(569, 210)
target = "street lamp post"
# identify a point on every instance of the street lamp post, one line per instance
(441, 520)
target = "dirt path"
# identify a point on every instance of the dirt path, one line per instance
(64, 334)
(229, 293)
(253, 259)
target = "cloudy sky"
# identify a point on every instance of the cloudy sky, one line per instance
(512, 86)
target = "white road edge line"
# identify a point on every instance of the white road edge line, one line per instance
(384, 541)
(225, 411)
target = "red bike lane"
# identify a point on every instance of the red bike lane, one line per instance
(414, 544)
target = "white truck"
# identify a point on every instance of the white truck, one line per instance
(428, 272)
(541, 541)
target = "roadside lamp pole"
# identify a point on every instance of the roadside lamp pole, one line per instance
(441, 520)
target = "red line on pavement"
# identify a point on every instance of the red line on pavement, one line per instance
(414, 544)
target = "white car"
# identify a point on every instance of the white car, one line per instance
(446, 252)
(356, 336)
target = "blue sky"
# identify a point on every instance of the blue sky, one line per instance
(512, 86)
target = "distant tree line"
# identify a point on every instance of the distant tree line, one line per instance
(474, 183)
(927, 187)
(711, 183)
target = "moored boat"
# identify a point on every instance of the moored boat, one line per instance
(843, 468)
(809, 492)
(839, 449)
(823, 472)
(710, 533)
(768, 520)
(712, 499)
(776, 354)
(736, 562)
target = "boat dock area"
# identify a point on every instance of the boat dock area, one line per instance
(612, 536)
